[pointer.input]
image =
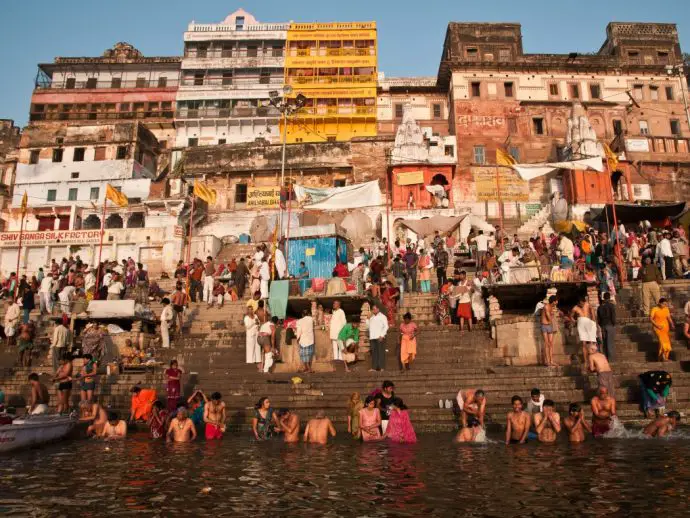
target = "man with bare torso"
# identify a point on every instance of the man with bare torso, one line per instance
(662, 426)
(97, 415)
(603, 411)
(600, 364)
(288, 423)
(178, 300)
(181, 428)
(214, 417)
(471, 403)
(318, 429)
(548, 329)
(38, 402)
(583, 315)
(473, 432)
(517, 423)
(63, 377)
(547, 423)
(114, 428)
(576, 424)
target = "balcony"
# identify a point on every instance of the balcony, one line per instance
(656, 145)
(332, 52)
(227, 113)
(311, 111)
(68, 84)
(230, 82)
(331, 80)
(100, 115)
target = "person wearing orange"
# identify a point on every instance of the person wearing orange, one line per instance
(142, 404)
(424, 276)
(663, 323)
(408, 341)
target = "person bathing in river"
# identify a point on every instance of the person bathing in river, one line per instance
(288, 423)
(114, 428)
(517, 423)
(158, 421)
(662, 426)
(181, 428)
(547, 423)
(576, 424)
(214, 417)
(473, 432)
(603, 412)
(471, 403)
(97, 415)
(318, 429)
(599, 364)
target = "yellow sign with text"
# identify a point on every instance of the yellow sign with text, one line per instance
(512, 187)
(410, 178)
(263, 197)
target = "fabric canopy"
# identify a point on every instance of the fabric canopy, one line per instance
(531, 171)
(472, 221)
(426, 227)
(631, 213)
(337, 198)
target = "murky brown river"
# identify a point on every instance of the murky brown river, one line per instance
(239, 477)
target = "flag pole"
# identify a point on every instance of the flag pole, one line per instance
(287, 237)
(189, 249)
(19, 251)
(617, 245)
(500, 205)
(100, 245)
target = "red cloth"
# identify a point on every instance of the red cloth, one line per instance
(599, 428)
(465, 310)
(340, 270)
(213, 431)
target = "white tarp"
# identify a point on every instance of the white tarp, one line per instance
(530, 171)
(476, 222)
(111, 308)
(337, 198)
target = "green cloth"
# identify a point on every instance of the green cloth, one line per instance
(278, 298)
(347, 332)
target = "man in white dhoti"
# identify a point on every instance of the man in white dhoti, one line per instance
(586, 326)
(281, 265)
(478, 304)
(264, 277)
(509, 259)
(251, 327)
(338, 321)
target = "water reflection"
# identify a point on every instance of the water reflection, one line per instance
(431, 478)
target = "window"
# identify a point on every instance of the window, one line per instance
(479, 155)
(198, 79)
(227, 78)
(121, 152)
(508, 89)
(239, 23)
(472, 53)
(162, 82)
(512, 125)
(538, 125)
(277, 51)
(99, 153)
(669, 93)
(52, 195)
(398, 111)
(637, 92)
(553, 89)
(72, 194)
(141, 82)
(201, 51)
(662, 57)
(448, 150)
(116, 82)
(595, 91)
(675, 127)
(192, 142)
(71, 82)
(265, 77)
(252, 51)
(617, 127)
(74, 176)
(644, 128)
(93, 194)
(341, 182)
(515, 153)
(57, 155)
(91, 82)
(436, 109)
(654, 93)
(634, 56)
(574, 91)
(221, 141)
(476, 89)
(241, 193)
(34, 155)
(79, 154)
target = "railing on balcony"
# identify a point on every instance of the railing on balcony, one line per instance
(101, 115)
(308, 111)
(232, 81)
(313, 51)
(213, 27)
(68, 84)
(327, 80)
(226, 113)
(234, 53)
(660, 144)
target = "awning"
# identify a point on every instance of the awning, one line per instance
(531, 171)
(426, 227)
(366, 194)
(631, 213)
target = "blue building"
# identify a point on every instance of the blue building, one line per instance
(320, 247)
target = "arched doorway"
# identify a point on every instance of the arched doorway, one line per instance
(136, 220)
(92, 222)
(114, 221)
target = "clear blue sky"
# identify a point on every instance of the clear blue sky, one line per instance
(411, 32)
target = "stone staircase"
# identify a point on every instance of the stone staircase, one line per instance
(540, 219)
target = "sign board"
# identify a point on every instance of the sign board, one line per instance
(263, 197)
(637, 145)
(532, 209)
(309, 252)
(513, 188)
(410, 178)
(51, 237)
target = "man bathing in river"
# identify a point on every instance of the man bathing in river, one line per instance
(181, 428)
(473, 432)
(603, 411)
(114, 428)
(96, 414)
(471, 403)
(547, 423)
(576, 424)
(662, 426)
(288, 423)
(599, 363)
(214, 417)
(318, 429)
(518, 423)
(38, 404)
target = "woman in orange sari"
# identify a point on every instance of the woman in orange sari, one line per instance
(663, 323)
(390, 297)
(424, 275)
(408, 341)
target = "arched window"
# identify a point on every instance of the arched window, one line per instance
(114, 221)
(92, 222)
(136, 220)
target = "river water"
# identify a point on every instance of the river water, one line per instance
(240, 477)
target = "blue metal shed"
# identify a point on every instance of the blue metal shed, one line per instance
(318, 246)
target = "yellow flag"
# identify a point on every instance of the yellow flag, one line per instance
(116, 196)
(611, 158)
(24, 202)
(204, 192)
(503, 158)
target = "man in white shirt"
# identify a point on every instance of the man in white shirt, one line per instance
(305, 337)
(281, 265)
(482, 247)
(338, 321)
(258, 255)
(45, 300)
(378, 327)
(566, 247)
(264, 276)
(664, 256)
(115, 289)
(507, 260)
(107, 278)
(89, 280)
(167, 316)
(65, 298)
(59, 342)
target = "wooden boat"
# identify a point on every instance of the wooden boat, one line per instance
(34, 430)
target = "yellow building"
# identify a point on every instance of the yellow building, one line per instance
(334, 65)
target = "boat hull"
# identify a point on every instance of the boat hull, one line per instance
(34, 431)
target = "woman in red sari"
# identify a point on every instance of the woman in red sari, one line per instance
(390, 297)
(158, 420)
(174, 377)
(400, 428)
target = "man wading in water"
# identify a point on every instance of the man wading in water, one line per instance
(576, 424)
(288, 423)
(603, 411)
(547, 423)
(318, 429)
(518, 423)
(214, 417)
(181, 428)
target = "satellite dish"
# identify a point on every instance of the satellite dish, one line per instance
(287, 89)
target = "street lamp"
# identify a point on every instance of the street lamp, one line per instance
(287, 107)
(670, 70)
